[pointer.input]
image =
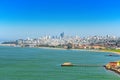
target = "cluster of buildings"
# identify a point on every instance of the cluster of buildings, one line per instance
(68, 42)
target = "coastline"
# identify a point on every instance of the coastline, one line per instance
(110, 51)
(92, 50)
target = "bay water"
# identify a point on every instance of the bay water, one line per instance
(45, 64)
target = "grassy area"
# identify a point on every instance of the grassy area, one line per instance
(112, 50)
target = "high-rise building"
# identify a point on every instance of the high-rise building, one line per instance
(62, 35)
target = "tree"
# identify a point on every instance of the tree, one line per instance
(69, 45)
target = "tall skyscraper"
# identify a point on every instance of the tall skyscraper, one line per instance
(62, 35)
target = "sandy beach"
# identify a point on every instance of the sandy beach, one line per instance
(92, 50)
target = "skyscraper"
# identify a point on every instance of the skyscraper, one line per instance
(62, 35)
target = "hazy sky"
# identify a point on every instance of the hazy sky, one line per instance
(33, 18)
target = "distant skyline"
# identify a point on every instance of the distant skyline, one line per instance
(34, 18)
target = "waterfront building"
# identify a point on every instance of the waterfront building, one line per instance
(115, 64)
(111, 65)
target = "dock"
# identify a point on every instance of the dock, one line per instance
(81, 65)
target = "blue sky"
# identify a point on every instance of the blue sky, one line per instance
(33, 18)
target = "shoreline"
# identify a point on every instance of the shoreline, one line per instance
(111, 52)
(92, 50)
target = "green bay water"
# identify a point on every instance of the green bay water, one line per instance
(44, 64)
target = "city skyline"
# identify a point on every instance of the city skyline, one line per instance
(27, 18)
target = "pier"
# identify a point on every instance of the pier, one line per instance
(81, 65)
(88, 65)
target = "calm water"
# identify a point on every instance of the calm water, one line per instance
(44, 64)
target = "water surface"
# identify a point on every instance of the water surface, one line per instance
(44, 64)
